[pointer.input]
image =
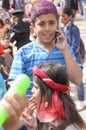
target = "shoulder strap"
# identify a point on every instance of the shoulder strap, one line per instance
(82, 49)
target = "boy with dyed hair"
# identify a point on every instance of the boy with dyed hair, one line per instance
(44, 17)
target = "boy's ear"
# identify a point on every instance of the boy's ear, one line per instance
(32, 28)
(33, 25)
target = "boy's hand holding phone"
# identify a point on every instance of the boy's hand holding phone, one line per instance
(60, 40)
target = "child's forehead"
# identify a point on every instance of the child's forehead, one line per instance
(46, 17)
(63, 14)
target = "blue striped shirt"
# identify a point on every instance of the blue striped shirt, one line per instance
(2, 86)
(31, 55)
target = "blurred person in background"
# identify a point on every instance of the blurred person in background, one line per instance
(4, 15)
(73, 4)
(6, 5)
(20, 30)
(18, 5)
(72, 32)
(80, 6)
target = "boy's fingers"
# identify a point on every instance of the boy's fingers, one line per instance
(23, 100)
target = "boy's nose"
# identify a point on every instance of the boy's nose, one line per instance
(47, 27)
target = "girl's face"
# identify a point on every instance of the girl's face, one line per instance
(36, 92)
(45, 26)
(64, 18)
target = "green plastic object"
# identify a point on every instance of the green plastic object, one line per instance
(20, 86)
(3, 115)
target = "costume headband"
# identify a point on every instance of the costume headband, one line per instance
(50, 82)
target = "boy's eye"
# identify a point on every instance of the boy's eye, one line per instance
(52, 22)
(41, 24)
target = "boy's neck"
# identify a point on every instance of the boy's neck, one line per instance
(48, 46)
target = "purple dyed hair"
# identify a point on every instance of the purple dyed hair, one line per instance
(43, 7)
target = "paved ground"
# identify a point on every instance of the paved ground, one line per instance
(82, 26)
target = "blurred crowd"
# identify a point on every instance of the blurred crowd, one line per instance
(51, 35)
(16, 29)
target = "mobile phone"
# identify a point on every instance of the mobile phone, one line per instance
(56, 38)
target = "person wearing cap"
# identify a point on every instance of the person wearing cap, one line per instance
(51, 107)
(20, 30)
(45, 47)
(17, 4)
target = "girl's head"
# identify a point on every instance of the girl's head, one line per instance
(17, 15)
(44, 86)
(44, 19)
(50, 91)
(66, 15)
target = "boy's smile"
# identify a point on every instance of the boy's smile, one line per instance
(45, 26)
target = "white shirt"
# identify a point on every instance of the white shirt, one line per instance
(72, 127)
